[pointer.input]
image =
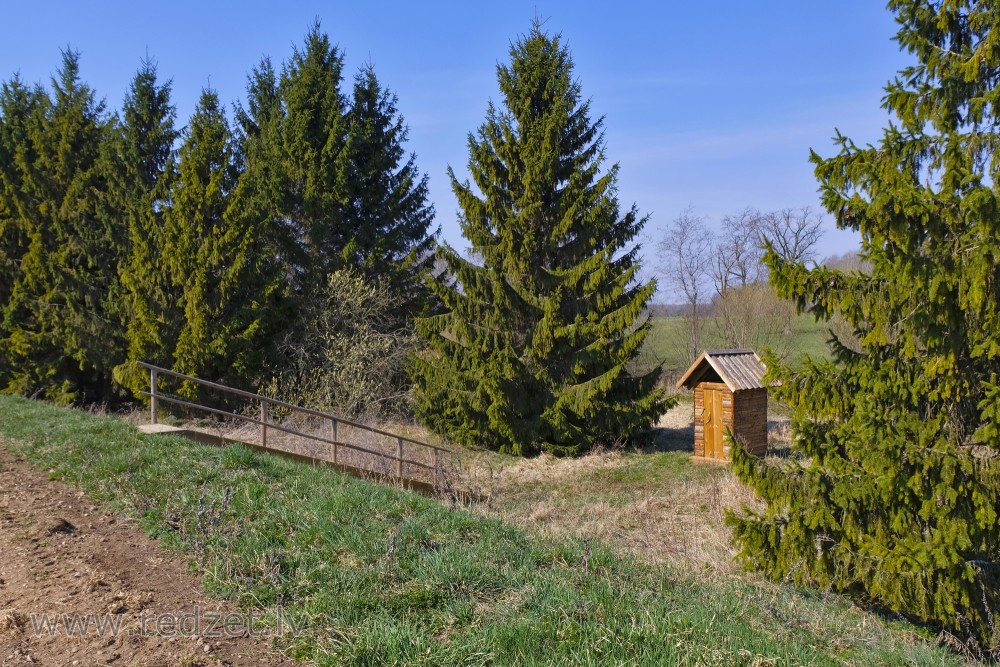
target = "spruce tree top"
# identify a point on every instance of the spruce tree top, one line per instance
(537, 164)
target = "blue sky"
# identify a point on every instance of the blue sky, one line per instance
(709, 105)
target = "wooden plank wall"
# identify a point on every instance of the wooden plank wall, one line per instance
(750, 411)
(728, 412)
(699, 420)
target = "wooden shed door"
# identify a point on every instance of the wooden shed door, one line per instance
(713, 423)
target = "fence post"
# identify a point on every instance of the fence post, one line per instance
(263, 423)
(153, 405)
(333, 436)
(437, 465)
(399, 458)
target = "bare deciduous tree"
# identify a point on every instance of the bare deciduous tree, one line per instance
(851, 262)
(848, 261)
(753, 316)
(748, 312)
(794, 233)
(738, 252)
(685, 259)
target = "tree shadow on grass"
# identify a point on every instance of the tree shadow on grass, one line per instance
(669, 439)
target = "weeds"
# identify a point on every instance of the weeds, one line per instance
(208, 520)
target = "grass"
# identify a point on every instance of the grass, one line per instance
(667, 340)
(379, 576)
(657, 506)
(652, 502)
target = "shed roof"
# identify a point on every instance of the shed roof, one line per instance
(739, 369)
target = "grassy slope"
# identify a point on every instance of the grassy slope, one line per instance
(381, 576)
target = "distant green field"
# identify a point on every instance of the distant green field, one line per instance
(668, 341)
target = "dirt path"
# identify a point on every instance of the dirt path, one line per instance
(60, 555)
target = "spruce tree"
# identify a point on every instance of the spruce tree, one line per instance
(295, 130)
(141, 171)
(330, 174)
(533, 349)
(290, 141)
(259, 278)
(194, 253)
(258, 192)
(263, 104)
(386, 197)
(894, 491)
(20, 106)
(58, 335)
(326, 185)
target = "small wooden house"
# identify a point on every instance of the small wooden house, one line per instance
(729, 394)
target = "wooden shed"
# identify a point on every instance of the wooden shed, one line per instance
(729, 394)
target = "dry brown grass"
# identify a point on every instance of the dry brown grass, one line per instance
(680, 522)
(12, 619)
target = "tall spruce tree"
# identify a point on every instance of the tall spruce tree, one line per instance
(258, 192)
(291, 138)
(326, 185)
(533, 350)
(58, 335)
(297, 129)
(330, 174)
(141, 171)
(260, 277)
(386, 197)
(196, 236)
(20, 106)
(263, 104)
(895, 492)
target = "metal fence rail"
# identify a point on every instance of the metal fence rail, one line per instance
(266, 424)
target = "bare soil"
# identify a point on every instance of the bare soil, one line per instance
(59, 554)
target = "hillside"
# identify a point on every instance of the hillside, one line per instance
(377, 575)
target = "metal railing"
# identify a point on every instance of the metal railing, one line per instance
(265, 423)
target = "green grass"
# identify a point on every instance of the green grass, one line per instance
(380, 576)
(667, 341)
